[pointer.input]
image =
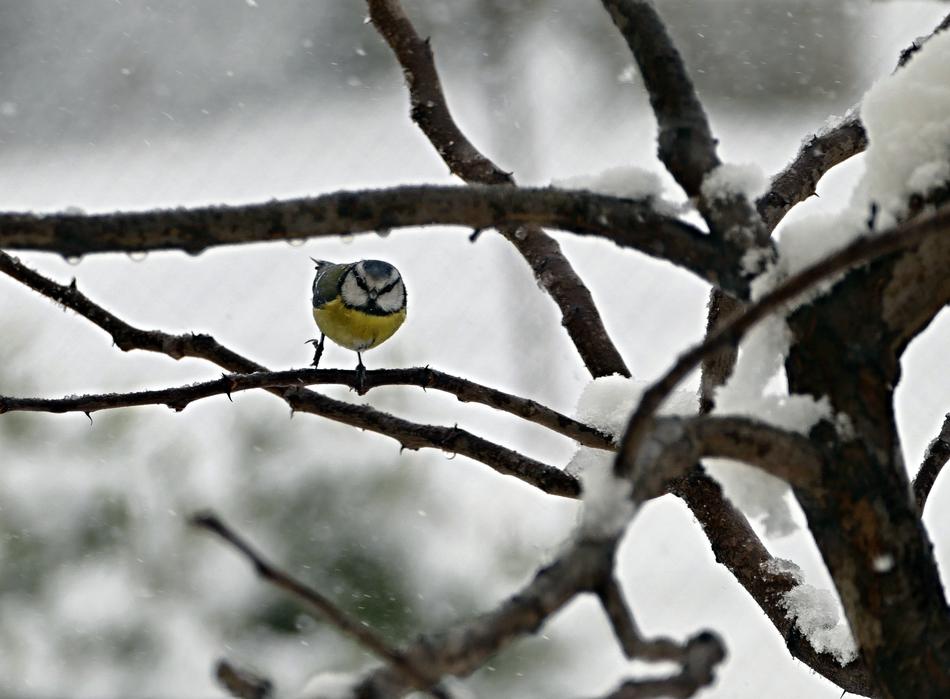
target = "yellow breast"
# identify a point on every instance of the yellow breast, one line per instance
(354, 329)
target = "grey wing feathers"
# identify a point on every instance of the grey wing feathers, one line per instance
(326, 285)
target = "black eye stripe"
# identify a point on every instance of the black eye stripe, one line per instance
(389, 287)
(360, 282)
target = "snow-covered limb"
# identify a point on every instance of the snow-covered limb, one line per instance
(838, 140)
(817, 614)
(902, 237)
(737, 547)
(938, 453)
(675, 445)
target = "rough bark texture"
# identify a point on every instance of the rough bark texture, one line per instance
(865, 519)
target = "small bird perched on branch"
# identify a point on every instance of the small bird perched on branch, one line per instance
(358, 305)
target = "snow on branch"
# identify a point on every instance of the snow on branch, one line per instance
(837, 141)
(686, 145)
(936, 457)
(902, 237)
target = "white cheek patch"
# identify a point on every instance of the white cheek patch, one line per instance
(351, 292)
(394, 299)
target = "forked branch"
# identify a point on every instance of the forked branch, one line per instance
(410, 435)
(552, 270)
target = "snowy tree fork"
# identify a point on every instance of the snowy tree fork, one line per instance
(852, 487)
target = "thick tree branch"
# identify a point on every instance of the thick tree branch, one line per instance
(821, 152)
(686, 144)
(179, 397)
(737, 547)
(918, 232)
(938, 453)
(355, 629)
(627, 222)
(551, 268)
(799, 179)
(410, 435)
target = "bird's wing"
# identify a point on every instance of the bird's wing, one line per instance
(326, 285)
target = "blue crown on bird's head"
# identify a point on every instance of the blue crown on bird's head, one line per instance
(321, 264)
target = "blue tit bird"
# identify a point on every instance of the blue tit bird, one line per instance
(358, 305)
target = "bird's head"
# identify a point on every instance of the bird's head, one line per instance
(373, 286)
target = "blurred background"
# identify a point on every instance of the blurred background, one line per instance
(105, 105)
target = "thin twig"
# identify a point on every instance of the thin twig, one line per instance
(355, 629)
(463, 648)
(242, 683)
(410, 435)
(552, 270)
(938, 453)
(628, 635)
(859, 252)
(179, 397)
(700, 656)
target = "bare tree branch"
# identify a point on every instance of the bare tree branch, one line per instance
(908, 235)
(627, 222)
(686, 144)
(628, 634)
(179, 397)
(799, 179)
(936, 457)
(242, 683)
(737, 547)
(675, 444)
(918, 44)
(410, 435)
(585, 566)
(355, 629)
(552, 270)
(717, 366)
(700, 656)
